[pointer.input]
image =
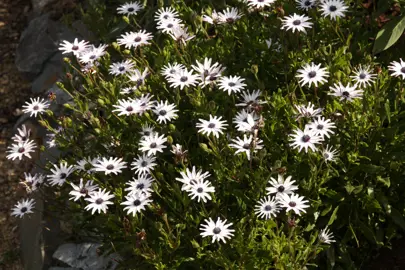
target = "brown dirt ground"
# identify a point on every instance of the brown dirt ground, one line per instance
(14, 91)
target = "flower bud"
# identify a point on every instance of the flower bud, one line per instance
(169, 140)
(172, 127)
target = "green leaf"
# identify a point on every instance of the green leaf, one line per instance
(386, 181)
(367, 232)
(387, 109)
(333, 216)
(389, 34)
(397, 218)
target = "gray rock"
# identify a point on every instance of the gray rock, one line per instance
(49, 75)
(38, 5)
(63, 268)
(84, 256)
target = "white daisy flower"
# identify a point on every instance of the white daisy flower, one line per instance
(346, 93)
(135, 39)
(305, 139)
(229, 15)
(152, 144)
(246, 145)
(308, 111)
(142, 184)
(86, 165)
(165, 111)
(130, 8)
(128, 90)
(180, 34)
(251, 100)
(147, 130)
(135, 75)
(51, 140)
(32, 182)
(171, 70)
(242, 116)
(325, 236)
(249, 125)
(189, 178)
(232, 84)
(21, 149)
(183, 79)
(213, 19)
(281, 186)
(143, 164)
(77, 47)
(293, 202)
(37, 106)
(166, 14)
(276, 45)
(312, 73)
(296, 22)
(92, 54)
(322, 127)
(398, 68)
(259, 4)
(121, 68)
(363, 77)
(166, 26)
(136, 203)
(23, 134)
(99, 201)
(111, 165)
(329, 154)
(82, 190)
(215, 126)
(200, 190)
(267, 207)
(208, 73)
(333, 8)
(23, 207)
(144, 103)
(219, 230)
(60, 174)
(305, 4)
(177, 150)
(126, 107)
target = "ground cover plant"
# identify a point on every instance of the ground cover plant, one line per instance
(228, 134)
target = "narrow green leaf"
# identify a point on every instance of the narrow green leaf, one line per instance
(389, 34)
(387, 110)
(397, 218)
(333, 216)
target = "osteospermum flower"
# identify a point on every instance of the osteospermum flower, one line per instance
(183, 79)
(135, 39)
(333, 8)
(250, 100)
(312, 73)
(171, 70)
(153, 144)
(130, 8)
(82, 190)
(138, 77)
(215, 126)
(293, 202)
(281, 186)
(267, 207)
(92, 54)
(305, 4)
(242, 117)
(249, 125)
(308, 111)
(207, 70)
(180, 34)
(260, 3)
(275, 45)
(219, 230)
(144, 103)
(329, 154)
(60, 174)
(126, 107)
(229, 15)
(167, 13)
(143, 164)
(21, 149)
(147, 130)
(189, 178)
(121, 68)
(86, 164)
(246, 145)
(165, 111)
(305, 139)
(325, 236)
(363, 76)
(77, 47)
(136, 202)
(37, 106)
(322, 127)
(166, 26)
(231, 84)
(23, 134)
(23, 207)
(213, 19)
(32, 182)
(200, 190)
(398, 68)
(346, 93)
(111, 165)
(296, 22)
(99, 201)
(142, 184)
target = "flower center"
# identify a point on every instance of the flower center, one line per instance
(166, 17)
(63, 176)
(162, 112)
(326, 155)
(137, 202)
(99, 201)
(83, 190)
(93, 57)
(24, 209)
(362, 76)
(24, 138)
(144, 163)
(130, 109)
(137, 39)
(292, 204)
(346, 94)
(307, 3)
(306, 138)
(246, 146)
(403, 69)
(170, 25)
(267, 208)
(21, 150)
(183, 79)
(110, 167)
(211, 125)
(36, 107)
(297, 22)
(172, 71)
(280, 188)
(216, 230)
(146, 133)
(153, 145)
(140, 186)
(320, 127)
(231, 84)
(75, 48)
(130, 9)
(312, 74)
(332, 8)
(121, 68)
(200, 190)
(229, 20)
